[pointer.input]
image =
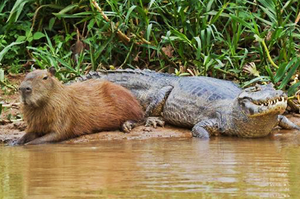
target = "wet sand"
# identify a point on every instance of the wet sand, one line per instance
(13, 131)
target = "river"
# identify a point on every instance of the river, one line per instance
(222, 167)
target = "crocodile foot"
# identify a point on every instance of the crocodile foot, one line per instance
(200, 132)
(155, 121)
(128, 126)
(285, 123)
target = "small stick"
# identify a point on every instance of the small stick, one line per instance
(297, 19)
(121, 35)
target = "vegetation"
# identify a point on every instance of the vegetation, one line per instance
(246, 41)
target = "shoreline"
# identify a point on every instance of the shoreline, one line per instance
(15, 130)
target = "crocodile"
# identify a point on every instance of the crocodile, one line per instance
(207, 105)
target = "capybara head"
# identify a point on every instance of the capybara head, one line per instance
(37, 87)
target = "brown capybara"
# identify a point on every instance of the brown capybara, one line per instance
(55, 112)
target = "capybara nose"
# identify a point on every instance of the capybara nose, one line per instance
(25, 89)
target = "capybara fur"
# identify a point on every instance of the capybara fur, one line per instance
(55, 112)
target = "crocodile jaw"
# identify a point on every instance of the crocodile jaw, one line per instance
(262, 100)
(275, 107)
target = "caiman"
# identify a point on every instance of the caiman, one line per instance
(207, 105)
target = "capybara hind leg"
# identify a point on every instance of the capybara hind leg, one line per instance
(48, 138)
(128, 126)
(26, 138)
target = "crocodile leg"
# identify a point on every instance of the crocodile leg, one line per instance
(155, 108)
(285, 123)
(205, 128)
(155, 121)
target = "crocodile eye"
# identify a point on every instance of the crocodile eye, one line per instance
(250, 89)
(257, 88)
(46, 77)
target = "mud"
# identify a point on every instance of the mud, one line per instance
(15, 130)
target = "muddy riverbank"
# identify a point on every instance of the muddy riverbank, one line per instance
(12, 127)
(15, 130)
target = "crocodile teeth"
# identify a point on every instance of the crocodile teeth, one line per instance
(270, 102)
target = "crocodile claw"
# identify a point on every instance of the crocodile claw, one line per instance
(155, 121)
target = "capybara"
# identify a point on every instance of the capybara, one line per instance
(55, 112)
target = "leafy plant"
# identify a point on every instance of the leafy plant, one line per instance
(208, 37)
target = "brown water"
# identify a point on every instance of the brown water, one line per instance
(157, 168)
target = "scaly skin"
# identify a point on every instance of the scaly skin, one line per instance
(207, 105)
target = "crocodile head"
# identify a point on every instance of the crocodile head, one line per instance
(262, 100)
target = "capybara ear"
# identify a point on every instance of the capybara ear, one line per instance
(52, 70)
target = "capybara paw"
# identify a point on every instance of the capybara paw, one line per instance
(128, 126)
(12, 143)
(155, 121)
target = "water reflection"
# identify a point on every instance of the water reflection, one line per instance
(172, 168)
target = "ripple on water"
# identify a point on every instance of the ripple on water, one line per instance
(158, 168)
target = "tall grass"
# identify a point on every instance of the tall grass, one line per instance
(246, 41)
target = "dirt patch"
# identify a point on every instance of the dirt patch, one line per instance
(13, 131)
(10, 99)
(139, 133)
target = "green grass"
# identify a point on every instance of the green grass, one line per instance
(238, 40)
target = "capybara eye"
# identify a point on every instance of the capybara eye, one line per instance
(46, 77)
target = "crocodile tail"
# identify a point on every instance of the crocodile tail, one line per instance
(126, 77)
(128, 72)
(103, 74)
(131, 79)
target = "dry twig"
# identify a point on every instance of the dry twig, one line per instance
(120, 34)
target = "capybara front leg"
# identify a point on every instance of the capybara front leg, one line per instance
(157, 104)
(48, 138)
(24, 139)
